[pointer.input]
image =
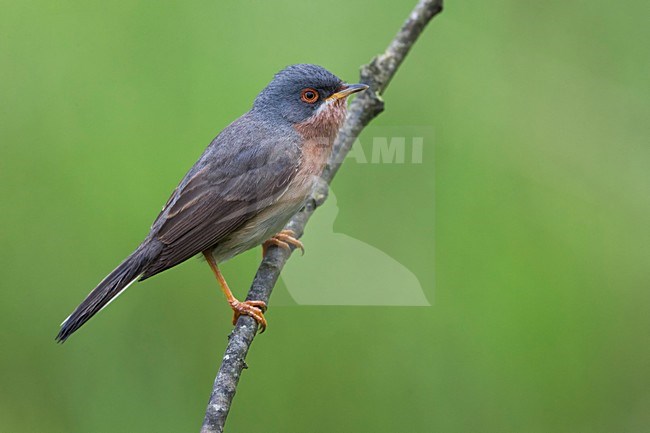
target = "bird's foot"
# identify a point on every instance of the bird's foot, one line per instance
(283, 240)
(255, 309)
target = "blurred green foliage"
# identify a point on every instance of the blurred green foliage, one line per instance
(534, 195)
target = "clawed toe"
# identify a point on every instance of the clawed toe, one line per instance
(283, 240)
(254, 309)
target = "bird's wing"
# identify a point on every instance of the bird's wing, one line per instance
(231, 183)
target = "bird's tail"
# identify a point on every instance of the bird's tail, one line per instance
(110, 288)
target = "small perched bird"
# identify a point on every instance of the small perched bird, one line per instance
(252, 178)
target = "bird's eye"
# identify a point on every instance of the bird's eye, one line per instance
(309, 95)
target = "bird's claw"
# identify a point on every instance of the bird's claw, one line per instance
(254, 309)
(283, 240)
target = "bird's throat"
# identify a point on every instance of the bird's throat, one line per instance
(324, 125)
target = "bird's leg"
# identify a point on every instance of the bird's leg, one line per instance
(283, 240)
(255, 309)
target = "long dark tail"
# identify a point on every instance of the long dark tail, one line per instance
(110, 287)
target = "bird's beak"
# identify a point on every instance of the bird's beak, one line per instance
(347, 90)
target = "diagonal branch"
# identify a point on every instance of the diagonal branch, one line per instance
(377, 74)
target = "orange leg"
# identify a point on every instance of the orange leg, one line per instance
(255, 309)
(283, 240)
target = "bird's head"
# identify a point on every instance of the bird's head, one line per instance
(306, 95)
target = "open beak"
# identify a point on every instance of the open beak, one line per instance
(347, 90)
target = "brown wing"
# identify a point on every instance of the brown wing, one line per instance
(231, 183)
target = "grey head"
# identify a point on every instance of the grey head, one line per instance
(297, 92)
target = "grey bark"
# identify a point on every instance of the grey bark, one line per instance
(368, 105)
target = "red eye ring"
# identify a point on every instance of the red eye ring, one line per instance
(309, 95)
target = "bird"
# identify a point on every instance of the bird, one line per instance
(248, 183)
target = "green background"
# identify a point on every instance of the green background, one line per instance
(526, 224)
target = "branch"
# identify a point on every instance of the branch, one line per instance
(368, 105)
